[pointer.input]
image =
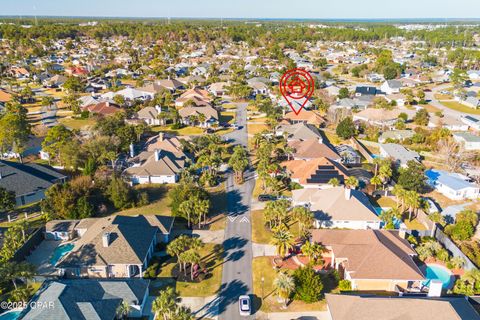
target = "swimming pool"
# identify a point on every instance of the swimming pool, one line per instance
(59, 252)
(12, 315)
(436, 272)
(396, 222)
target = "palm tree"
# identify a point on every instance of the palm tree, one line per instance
(283, 240)
(413, 202)
(276, 212)
(457, 262)
(399, 193)
(187, 209)
(313, 251)
(376, 181)
(123, 309)
(304, 217)
(202, 207)
(285, 285)
(184, 313)
(351, 182)
(334, 182)
(194, 259)
(165, 304)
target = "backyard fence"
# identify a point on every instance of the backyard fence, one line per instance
(32, 242)
(452, 247)
(361, 148)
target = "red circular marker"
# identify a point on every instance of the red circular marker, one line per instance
(297, 86)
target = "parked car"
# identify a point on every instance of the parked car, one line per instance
(266, 197)
(244, 305)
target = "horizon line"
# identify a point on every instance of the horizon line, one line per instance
(423, 19)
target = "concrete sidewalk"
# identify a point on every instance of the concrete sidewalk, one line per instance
(309, 315)
(263, 250)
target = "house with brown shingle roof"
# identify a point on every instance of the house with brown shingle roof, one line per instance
(305, 116)
(104, 108)
(312, 149)
(115, 246)
(371, 259)
(338, 207)
(347, 307)
(315, 173)
(198, 96)
(205, 116)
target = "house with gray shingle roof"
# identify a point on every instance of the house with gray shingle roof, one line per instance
(28, 181)
(114, 247)
(400, 155)
(87, 299)
(468, 140)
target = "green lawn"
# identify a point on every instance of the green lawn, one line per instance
(454, 105)
(212, 257)
(253, 128)
(158, 198)
(261, 233)
(78, 124)
(218, 196)
(186, 131)
(414, 224)
(262, 268)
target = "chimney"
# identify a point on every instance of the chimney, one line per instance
(161, 136)
(132, 150)
(106, 239)
(108, 103)
(348, 193)
(157, 155)
(402, 233)
(435, 289)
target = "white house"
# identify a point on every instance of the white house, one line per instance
(468, 140)
(471, 121)
(338, 207)
(454, 186)
(391, 86)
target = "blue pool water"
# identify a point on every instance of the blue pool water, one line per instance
(12, 315)
(59, 252)
(434, 272)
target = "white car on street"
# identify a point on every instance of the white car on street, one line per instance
(244, 305)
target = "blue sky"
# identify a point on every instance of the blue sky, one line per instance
(348, 9)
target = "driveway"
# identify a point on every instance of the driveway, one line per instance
(430, 97)
(237, 268)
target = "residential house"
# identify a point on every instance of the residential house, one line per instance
(4, 97)
(299, 131)
(467, 140)
(448, 122)
(379, 117)
(338, 207)
(398, 135)
(54, 82)
(315, 173)
(171, 84)
(391, 86)
(218, 89)
(158, 166)
(473, 74)
(150, 115)
(18, 72)
(362, 307)
(366, 91)
(312, 149)
(71, 299)
(205, 116)
(472, 102)
(398, 153)
(454, 186)
(199, 97)
(103, 108)
(471, 121)
(378, 260)
(29, 181)
(115, 246)
(306, 116)
(130, 94)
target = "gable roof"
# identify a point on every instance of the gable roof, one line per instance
(315, 171)
(452, 180)
(85, 298)
(208, 111)
(336, 204)
(300, 131)
(129, 244)
(147, 113)
(27, 178)
(312, 148)
(371, 254)
(310, 117)
(347, 307)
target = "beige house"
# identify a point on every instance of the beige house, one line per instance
(114, 247)
(348, 307)
(371, 259)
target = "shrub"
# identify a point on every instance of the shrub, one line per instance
(345, 285)
(308, 285)
(346, 128)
